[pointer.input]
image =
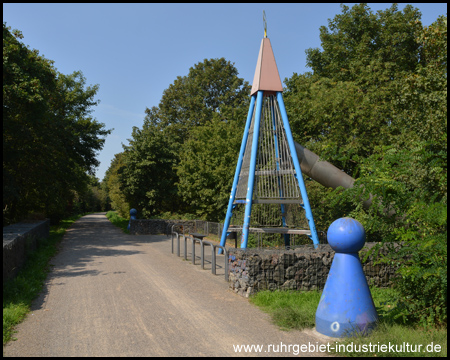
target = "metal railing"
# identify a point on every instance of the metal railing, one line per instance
(213, 257)
(202, 243)
(209, 228)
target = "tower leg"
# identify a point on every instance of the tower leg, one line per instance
(251, 174)
(298, 170)
(236, 174)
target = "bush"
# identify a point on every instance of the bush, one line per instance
(118, 221)
(406, 209)
(423, 271)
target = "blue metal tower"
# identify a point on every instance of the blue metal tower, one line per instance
(268, 169)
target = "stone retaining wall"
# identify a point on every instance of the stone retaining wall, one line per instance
(18, 240)
(304, 268)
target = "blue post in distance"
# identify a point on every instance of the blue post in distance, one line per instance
(251, 172)
(133, 213)
(236, 174)
(298, 170)
(346, 306)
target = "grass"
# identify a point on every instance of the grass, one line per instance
(18, 293)
(118, 221)
(296, 310)
(289, 309)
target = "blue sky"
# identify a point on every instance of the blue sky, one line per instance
(135, 51)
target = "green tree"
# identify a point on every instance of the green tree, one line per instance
(208, 163)
(111, 185)
(105, 200)
(358, 40)
(399, 179)
(196, 103)
(421, 105)
(345, 107)
(375, 105)
(193, 99)
(91, 200)
(148, 177)
(49, 138)
(411, 177)
(379, 80)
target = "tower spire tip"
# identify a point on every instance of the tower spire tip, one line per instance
(265, 24)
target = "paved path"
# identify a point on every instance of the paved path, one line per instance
(112, 294)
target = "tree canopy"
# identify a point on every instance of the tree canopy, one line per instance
(111, 184)
(162, 158)
(387, 88)
(375, 105)
(346, 106)
(50, 141)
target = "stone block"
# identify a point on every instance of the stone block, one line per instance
(278, 274)
(308, 267)
(18, 240)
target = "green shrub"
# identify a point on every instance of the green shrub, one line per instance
(423, 266)
(118, 221)
(409, 207)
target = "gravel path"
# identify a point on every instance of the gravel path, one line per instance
(112, 294)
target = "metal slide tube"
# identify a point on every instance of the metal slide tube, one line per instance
(323, 172)
(236, 174)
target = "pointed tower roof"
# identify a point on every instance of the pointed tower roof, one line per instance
(266, 74)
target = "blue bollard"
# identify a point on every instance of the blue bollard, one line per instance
(133, 213)
(346, 305)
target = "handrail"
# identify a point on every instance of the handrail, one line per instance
(213, 257)
(185, 246)
(178, 244)
(225, 252)
(175, 233)
(194, 239)
(203, 254)
(202, 257)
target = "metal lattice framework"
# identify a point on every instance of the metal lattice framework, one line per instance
(277, 201)
(275, 172)
(268, 190)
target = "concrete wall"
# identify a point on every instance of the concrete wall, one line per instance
(18, 240)
(304, 268)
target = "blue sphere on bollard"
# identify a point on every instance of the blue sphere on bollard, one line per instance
(346, 305)
(133, 213)
(346, 235)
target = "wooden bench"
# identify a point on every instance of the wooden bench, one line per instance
(198, 235)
